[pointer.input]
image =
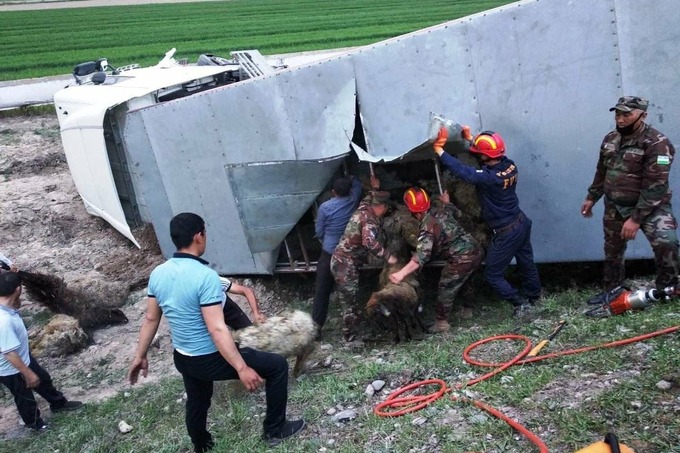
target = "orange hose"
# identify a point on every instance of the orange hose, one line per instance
(501, 367)
(533, 438)
(551, 355)
(414, 403)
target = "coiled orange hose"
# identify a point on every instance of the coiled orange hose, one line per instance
(407, 404)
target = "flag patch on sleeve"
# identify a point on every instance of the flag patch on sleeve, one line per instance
(663, 160)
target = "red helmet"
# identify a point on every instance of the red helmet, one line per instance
(488, 143)
(417, 200)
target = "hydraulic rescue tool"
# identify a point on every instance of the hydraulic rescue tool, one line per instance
(622, 299)
(534, 352)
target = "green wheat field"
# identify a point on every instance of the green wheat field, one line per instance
(49, 42)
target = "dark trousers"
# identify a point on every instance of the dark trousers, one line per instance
(23, 396)
(324, 287)
(234, 317)
(515, 243)
(199, 372)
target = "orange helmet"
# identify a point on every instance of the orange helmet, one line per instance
(417, 200)
(488, 143)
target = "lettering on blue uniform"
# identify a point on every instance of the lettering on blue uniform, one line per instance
(506, 172)
(509, 182)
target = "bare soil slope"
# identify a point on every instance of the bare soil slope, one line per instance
(44, 227)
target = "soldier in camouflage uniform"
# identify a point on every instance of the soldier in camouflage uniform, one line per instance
(440, 237)
(632, 174)
(363, 234)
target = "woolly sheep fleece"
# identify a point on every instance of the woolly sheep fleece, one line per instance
(288, 334)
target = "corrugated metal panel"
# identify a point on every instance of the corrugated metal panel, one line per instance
(320, 103)
(267, 215)
(290, 138)
(546, 72)
(401, 81)
(648, 41)
(543, 73)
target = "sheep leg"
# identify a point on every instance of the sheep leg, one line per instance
(408, 323)
(382, 321)
(416, 314)
(301, 360)
(385, 319)
(395, 327)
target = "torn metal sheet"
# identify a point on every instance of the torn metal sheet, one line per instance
(252, 157)
(251, 169)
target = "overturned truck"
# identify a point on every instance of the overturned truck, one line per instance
(252, 147)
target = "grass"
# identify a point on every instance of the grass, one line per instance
(9, 137)
(569, 402)
(28, 111)
(50, 133)
(49, 42)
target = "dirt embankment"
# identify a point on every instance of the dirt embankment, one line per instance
(44, 227)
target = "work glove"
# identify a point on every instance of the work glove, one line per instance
(466, 134)
(440, 141)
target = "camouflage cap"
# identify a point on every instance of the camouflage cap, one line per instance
(630, 103)
(381, 197)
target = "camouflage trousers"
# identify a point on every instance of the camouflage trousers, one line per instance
(345, 271)
(458, 268)
(659, 228)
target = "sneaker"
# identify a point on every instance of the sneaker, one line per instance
(67, 406)
(523, 311)
(39, 426)
(289, 428)
(440, 326)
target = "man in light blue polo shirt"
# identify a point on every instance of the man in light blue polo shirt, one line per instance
(19, 371)
(190, 294)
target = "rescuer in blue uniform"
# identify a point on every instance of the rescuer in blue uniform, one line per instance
(496, 185)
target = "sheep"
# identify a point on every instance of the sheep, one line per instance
(52, 292)
(396, 304)
(63, 335)
(289, 334)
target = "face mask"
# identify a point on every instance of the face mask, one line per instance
(628, 130)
